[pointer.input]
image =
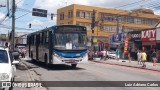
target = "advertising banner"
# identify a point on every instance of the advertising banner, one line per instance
(134, 36)
(119, 37)
(148, 35)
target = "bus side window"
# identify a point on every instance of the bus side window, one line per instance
(34, 39)
(40, 38)
(46, 37)
(43, 38)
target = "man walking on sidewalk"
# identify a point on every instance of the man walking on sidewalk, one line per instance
(144, 58)
(154, 58)
(117, 54)
(104, 54)
(139, 55)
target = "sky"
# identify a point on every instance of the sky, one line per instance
(24, 7)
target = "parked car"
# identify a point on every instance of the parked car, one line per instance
(112, 54)
(7, 66)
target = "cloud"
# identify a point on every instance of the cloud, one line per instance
(53, 5)
(36, 22)
(1, 15)
(3, 2)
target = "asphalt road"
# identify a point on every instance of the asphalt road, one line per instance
(93, 71)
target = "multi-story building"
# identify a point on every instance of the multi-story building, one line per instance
(108, 21)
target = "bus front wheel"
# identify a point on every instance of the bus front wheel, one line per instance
(73, 65)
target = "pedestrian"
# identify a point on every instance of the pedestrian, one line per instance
(154, 58)
(101, 54)
(139, 57)
(158, 56)
(130, 55)
(107, 54)
(144, 58)
(117, 54)
(96, 54)
(104, 54)
(23, 52)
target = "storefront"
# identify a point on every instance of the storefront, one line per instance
(158, 38)
(135, 39)
(118, 41)
(158, 43)
(148, 41)
(135, 43)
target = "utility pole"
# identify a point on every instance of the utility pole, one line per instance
(13, 25)
(93, 25)
(92, 28)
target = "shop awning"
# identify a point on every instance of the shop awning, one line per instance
(148, 43)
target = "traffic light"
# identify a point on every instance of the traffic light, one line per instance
(29, 25)
(51, 16)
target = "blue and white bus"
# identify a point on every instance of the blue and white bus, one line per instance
(63, 44)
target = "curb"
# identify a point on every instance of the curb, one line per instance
(44, 88)
(26, 66)
(127, 66)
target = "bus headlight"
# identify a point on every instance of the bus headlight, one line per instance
(4, 76)
(84, 56)
(56, 55)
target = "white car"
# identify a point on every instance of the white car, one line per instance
(7, 67)
(112, 54)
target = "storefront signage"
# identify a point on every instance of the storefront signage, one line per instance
(119, 37)
(134, 36)
(148, 35)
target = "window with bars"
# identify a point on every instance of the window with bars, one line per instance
(62, 16)
(83, 14)
(77, 13)
(70, 13)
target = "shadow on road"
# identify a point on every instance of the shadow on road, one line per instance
(51, 67)
(21, 67)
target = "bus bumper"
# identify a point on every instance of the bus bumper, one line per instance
(60, 60)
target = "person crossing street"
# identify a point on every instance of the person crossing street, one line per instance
(144, 58)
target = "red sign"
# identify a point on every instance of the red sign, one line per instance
(148, 35)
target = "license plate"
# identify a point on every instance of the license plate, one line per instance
(70, 61)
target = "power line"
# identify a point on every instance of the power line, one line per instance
(140, 4)
(19, 1)
(32, 11)
(130, 4)
(21, 16)
(17, 28)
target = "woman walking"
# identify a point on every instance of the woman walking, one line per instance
(144, 58)
(154, 58)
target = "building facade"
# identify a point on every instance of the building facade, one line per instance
(108, 21)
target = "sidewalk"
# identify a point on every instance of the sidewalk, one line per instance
(121, 62)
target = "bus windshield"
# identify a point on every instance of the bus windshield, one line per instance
(70, 41)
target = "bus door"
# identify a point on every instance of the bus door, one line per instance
(37, 46)
(50, 45)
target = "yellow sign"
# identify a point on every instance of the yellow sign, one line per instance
(95, 40)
